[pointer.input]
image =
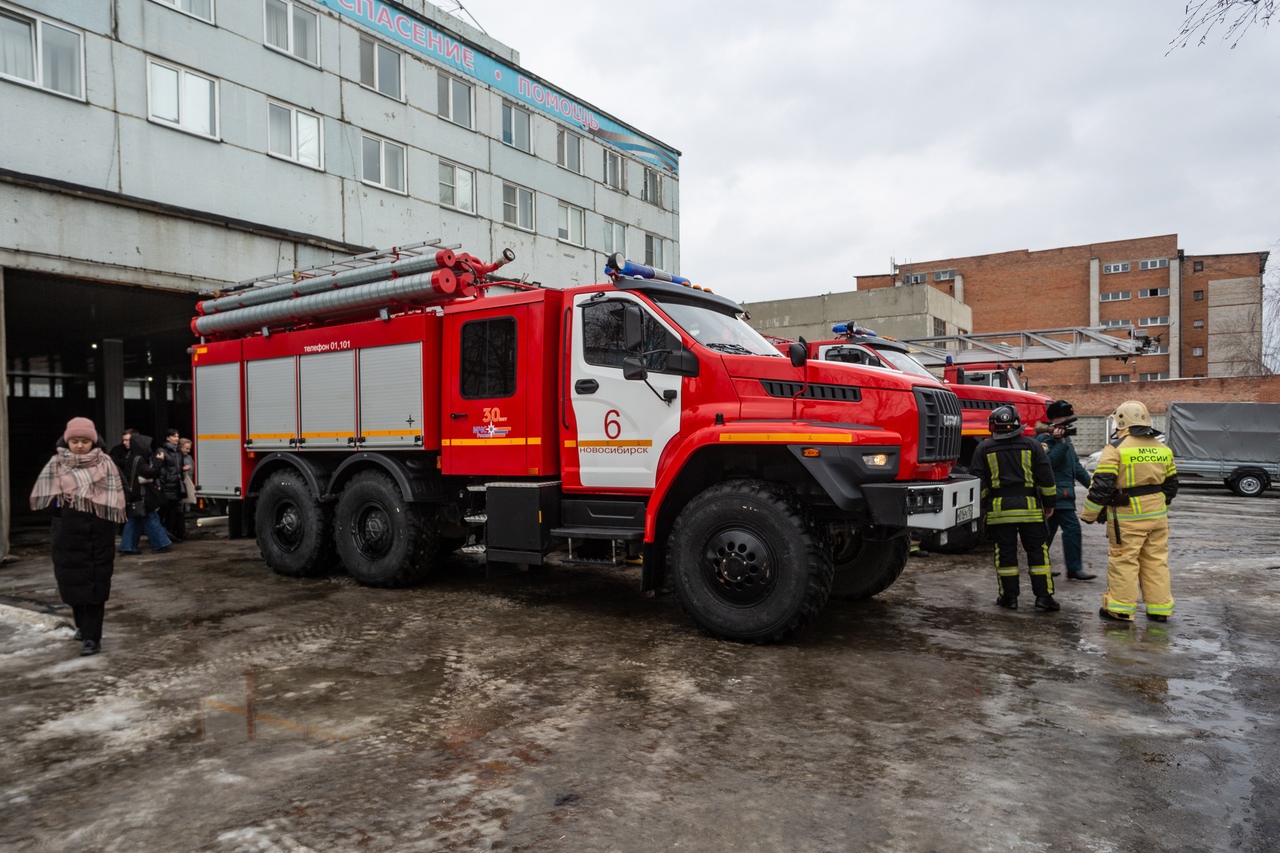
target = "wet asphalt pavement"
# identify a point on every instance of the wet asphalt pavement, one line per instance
(561, 709)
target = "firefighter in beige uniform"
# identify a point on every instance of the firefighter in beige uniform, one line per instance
(1134, 484)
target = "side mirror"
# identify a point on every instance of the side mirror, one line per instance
(633, 368)
(633, 329)
(799, 353)
(959, 375)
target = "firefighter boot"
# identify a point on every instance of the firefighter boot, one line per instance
(1008, 586)
(1046, 602)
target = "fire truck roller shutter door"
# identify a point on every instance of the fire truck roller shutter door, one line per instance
(218, 440)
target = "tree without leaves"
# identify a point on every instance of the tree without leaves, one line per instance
(1236, 15)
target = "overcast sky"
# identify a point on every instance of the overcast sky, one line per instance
(821, 138)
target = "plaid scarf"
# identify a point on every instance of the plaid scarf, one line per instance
(88, 483)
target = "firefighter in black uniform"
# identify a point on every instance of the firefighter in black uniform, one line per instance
(1018, 493)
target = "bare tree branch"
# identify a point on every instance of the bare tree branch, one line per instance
(1237, 16)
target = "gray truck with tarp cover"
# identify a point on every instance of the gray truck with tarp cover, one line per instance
(1237, 442)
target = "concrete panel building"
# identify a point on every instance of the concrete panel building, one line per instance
(153, 149)
(900, 312)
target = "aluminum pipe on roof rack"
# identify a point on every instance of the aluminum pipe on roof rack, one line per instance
(442, 259)
(423, 288)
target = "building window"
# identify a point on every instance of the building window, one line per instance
(570, 224)
(615, 237)
(1158, 350)
(202, 9)
(457, 187)
(41, 53)
(939, 327)
(295, 135)
(1152, 377)
(653, 250)
(914, 278)
(488, 359)
(1198, 296)
(569, 150)
(1114, 324)
(515, 128)
(1110, 268)
(182, 99)
(383, 163)
(293, 29)
(1162, 320)
(517, 206)
(1153, 264)
(1153, 291)
(613, 170)
(944, 275)
(454, 100)
(1113, 296)
(1114, 377)
(1197, 352)
(652, 190)
(1197, 324)
(1197, 266)
(380, 68)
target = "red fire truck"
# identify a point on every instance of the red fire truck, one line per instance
(386, 411)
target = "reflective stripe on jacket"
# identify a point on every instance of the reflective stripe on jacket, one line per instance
(1137, 461)
(1017, 481)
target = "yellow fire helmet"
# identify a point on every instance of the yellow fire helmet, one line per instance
(1131, 413)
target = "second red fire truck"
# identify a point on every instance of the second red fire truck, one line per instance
(386, 411)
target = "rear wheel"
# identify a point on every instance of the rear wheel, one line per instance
(293, 528)
(1248, 484)
(865, 567)
(746, 563)
(383, 540)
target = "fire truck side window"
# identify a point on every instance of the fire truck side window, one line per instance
(488, 358)
(602, 337)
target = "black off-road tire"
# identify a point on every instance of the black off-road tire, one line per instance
(865, 567)
(293, 528)
(747, 564)
(382, 539)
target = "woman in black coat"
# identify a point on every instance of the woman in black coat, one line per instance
(80, 486)
(139, 471)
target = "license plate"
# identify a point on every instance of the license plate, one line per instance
(964, 513)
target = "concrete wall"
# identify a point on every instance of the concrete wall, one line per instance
(900, 312)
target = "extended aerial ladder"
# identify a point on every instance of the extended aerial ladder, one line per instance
(1038, 345)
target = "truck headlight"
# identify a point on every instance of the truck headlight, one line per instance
(875, 460)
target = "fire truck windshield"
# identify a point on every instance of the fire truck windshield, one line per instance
(904, 362)
(717, 331)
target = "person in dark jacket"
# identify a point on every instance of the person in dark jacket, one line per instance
(1067, 471)
(171, 490)
(80, 486)
(121, 450)
(140, 469)
(1018, 493)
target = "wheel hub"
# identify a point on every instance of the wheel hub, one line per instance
(739, 566)
(373, 532)
(288, 527)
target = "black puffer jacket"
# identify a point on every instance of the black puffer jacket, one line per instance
(147, 468)
(169, 478)
(84, 553)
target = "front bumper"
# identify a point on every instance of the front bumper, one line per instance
(931, 505)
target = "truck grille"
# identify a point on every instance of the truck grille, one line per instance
(939, 424)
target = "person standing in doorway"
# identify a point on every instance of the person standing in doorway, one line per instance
(171, 490)
(80, 486)
(1018, 492)
(1131, 490)
(1067, 471)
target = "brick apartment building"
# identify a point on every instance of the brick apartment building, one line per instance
(1206, 309)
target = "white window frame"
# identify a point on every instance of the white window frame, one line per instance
(448, 111)
(517, 207)
(511, 117)
(183, 73)
(1114, 324)
(1197, 352)
(915, 277)
(612, 157)
(567, 141)
(1153, 377)
(1108, 269)
(1110, 378)
(382, 164)
(1114, 296)
(177, 5)
(1153, 292)
(567, 215)
(445, 164)
(1162, 349)
(1154, 264)
(38, 24)
(1162, 320)
(945, 275)
(291, 8)
(654, 253)
(615, 237)
(651, 190)
(1197, 324)
(293, 156)
(378, 48)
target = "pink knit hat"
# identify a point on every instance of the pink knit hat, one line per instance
(80, 428)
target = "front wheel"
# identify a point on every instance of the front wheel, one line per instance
(293, 528)
(383, 540)
(1248, 484)
(865, 567)
(746, 564)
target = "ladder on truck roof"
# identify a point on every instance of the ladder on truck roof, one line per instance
(1038, 345)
